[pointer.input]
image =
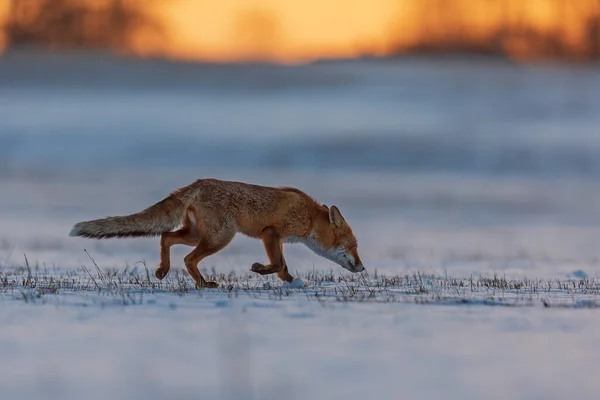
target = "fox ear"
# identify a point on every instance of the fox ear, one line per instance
(335, 217)
(324, 205)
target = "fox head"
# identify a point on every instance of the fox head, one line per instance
(334, 240)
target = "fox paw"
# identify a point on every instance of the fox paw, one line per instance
(161, 272)
(208, 285)
(257, 267)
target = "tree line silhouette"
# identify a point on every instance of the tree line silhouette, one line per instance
(109, 24)
(441, 26)
(571, 29)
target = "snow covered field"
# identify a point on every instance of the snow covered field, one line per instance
(122, 335)
(119, 334)
(472, 189)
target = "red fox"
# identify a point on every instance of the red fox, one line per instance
(210, 212)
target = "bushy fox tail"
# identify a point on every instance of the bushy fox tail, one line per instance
(162, 217)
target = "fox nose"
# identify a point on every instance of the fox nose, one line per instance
(359, 268)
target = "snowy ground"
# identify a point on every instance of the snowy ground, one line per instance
(471, 187)
(74, 334)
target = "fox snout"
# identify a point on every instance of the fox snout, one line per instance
(358, 267)
(349, 262)
(353, 264)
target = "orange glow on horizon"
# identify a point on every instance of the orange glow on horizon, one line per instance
(3, 15)
(281, 30)
(294, 31)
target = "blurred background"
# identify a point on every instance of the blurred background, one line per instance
(457, 135)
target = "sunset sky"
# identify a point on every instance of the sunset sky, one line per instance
(292, 30)
(280, 29)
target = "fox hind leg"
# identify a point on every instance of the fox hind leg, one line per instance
(188, 235)
(203, 250)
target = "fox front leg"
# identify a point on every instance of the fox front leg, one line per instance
(274, 250)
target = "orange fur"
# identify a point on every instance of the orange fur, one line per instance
(210, 212)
